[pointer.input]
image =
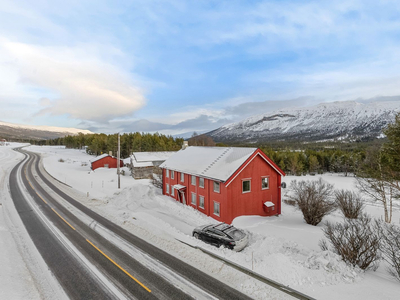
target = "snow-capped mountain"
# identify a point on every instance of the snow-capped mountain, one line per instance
(16, 131)
(335, 120)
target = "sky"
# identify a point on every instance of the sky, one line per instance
(183, 66)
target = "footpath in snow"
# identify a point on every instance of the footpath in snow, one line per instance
(282, 248)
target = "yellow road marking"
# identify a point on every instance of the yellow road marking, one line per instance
(47, 203)
(35, 190)
(63, 218)
(122, 269)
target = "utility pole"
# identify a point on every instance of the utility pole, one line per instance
(118, 162)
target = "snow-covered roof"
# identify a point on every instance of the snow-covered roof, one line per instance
(212, 162)
(151, 156)
(269, 204)
(99, 157)
(142, 164)
(179, 186)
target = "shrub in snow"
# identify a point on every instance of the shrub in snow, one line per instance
(61, 160)
(390, 246)
(349, 203)
(314, 199)
(357, 241)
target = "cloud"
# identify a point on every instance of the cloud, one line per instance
(76, 82)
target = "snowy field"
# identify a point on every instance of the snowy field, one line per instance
(282, 248)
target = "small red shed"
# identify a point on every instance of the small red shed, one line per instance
(105, 161)
(224, 182)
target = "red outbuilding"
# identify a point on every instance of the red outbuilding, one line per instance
(105, 161)
(224, 182)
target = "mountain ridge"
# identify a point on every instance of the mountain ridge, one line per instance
(27, 132)
(345, 120)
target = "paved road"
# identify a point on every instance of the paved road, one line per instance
(131, 277)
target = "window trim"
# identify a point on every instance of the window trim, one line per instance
(219, 208)
(167, 189)
(195, 199)
(204, 200)
(219, 187)
(249, 180)
(172, 174)
(200, 180)
(195, 180)
(182, 177)
(263, 177)
(166, 173)
(172, 191)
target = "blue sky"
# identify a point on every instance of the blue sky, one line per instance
(181, 66)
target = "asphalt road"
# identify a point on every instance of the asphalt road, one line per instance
(131, 277)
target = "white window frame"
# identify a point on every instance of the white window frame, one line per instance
(262, 178)
(167, 188)
(200, 201)
(191, 180)
(201, 182)
(243, 180)
(182, 177)
(166, 173)
(172, 190)
(219, 208)
(219, 187)
(172, 174)
(194, 197)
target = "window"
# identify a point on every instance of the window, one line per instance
(201, 182)
(194, 202)
(167, 189)
(166, 173)
(201, 201)
(193, 180)
(265, 183)
(216, 187)
(172, 191)
(216, 208)
(172, 174)
(182, 177)
(246, 187)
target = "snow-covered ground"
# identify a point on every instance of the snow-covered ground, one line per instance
(23, 273)
(282, 248)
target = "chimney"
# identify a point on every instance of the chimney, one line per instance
(110, 153)
(185, 145)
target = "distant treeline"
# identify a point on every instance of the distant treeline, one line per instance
(316, 161)
(292, 157)
(130, 142)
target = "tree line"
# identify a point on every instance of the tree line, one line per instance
(97, 144)
(298, 162)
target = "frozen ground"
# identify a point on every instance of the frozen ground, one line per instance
(282, 248)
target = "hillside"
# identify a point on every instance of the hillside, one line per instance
(349, 120)
(25, 132)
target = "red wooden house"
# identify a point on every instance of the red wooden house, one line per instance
(224, 183)
(105, 161)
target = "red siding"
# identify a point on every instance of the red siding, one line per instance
(252, 203)
(108, 160)
(233, 202)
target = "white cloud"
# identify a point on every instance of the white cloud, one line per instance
(75, 80)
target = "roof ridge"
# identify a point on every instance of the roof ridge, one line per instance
(217, 159)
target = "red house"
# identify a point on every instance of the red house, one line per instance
(224, 183)
(105, 161)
